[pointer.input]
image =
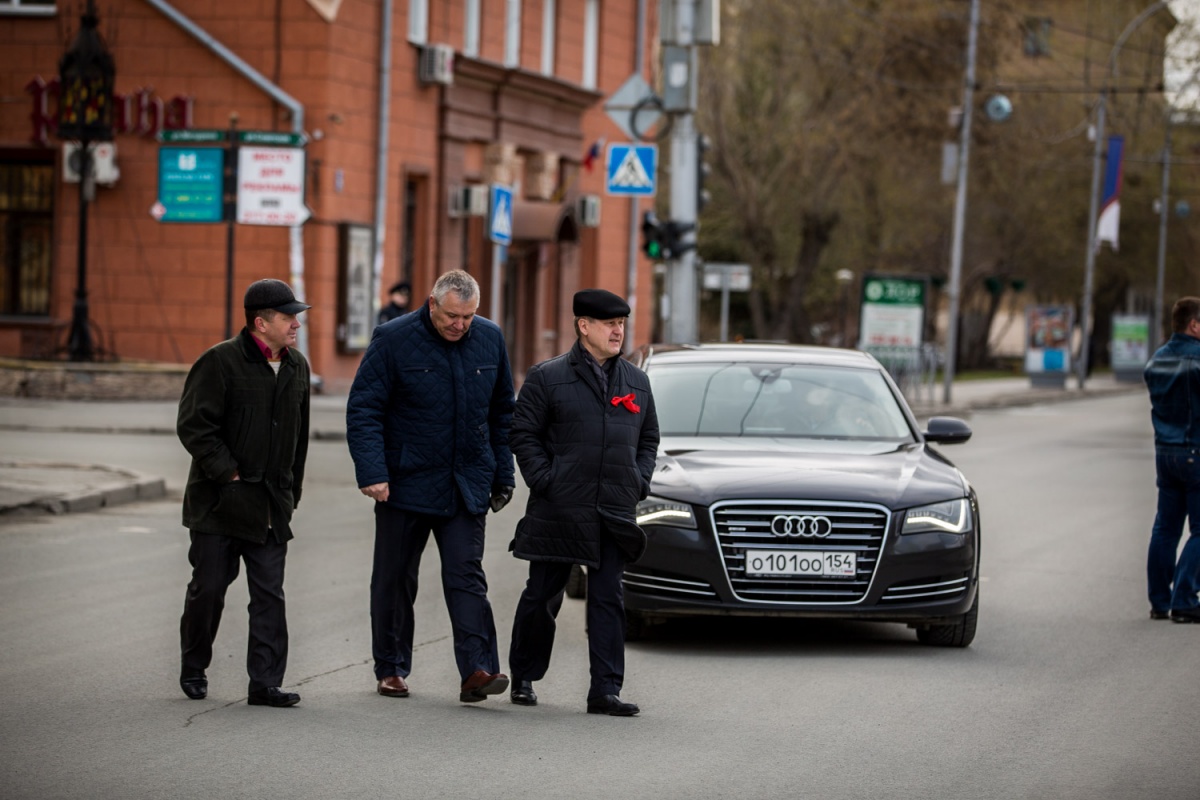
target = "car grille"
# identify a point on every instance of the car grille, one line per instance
(942, 588)
(856, 527)
(655, 584)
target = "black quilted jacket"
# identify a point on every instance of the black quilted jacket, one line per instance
(586, 460)
(426, 415)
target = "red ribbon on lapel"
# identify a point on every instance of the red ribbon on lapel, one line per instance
(627, 401)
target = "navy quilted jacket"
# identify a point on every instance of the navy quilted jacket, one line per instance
(587, 461)
(428, 416)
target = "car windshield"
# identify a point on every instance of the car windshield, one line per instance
(789, 400)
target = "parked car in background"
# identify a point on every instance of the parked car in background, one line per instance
(795, 481)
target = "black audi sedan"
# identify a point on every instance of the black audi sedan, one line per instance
(795, 481)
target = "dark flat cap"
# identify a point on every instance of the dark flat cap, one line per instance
(271, 293)
(599, 304)
(402, 286)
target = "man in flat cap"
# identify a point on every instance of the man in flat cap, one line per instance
(585, 435)
(243, 417)
(397, 302)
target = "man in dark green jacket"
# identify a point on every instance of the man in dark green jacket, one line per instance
(243, 417)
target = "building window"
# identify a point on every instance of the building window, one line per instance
(549, 34)
(418, 21)
(512, 33)
(1036, 32)
(412, 214)
(471, 29)
(26, 220)
(591, 43)
(28, 8)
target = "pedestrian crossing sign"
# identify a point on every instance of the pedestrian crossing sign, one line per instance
(500, 224)
(631, 169)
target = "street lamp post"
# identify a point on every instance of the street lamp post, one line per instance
(844, 277)
(86, 77)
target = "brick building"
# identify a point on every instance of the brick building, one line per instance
(474, 92)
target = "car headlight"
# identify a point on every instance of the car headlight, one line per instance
(952, 516)
(660, 511)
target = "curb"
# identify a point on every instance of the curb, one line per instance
(114, 486)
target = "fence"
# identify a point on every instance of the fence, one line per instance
(914, 369)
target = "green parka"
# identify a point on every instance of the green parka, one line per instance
(235, 415)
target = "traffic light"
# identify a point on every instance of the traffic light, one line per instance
(652, 236)
(703, 145)
(672, 239)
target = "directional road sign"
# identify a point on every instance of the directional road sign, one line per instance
(500, 217)
(190, 184)
(634, 93)
(631, 169)
(193, 136)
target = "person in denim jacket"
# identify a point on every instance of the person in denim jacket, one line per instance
(1173, 378)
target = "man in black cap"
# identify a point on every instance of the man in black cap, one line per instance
(243, 417)
(398, 305)
(585, 435)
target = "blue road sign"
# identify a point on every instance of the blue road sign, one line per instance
(631, 169)
(500, 217)
(191, 182)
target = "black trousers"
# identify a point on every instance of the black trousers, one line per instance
(537, 610)
(215, 562)
(400, 539)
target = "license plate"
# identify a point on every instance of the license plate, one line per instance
(800, 562)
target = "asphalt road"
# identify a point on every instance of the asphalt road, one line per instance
(1069, 690)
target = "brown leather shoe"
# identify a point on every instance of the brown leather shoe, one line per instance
(393, 686)
(480, 684)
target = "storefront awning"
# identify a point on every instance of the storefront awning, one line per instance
(543, 221)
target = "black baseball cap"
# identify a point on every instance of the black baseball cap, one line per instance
(277, 295)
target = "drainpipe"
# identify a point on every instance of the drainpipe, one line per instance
(294, 107)
(381, 149)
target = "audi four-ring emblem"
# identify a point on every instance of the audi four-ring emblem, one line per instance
(796, 525)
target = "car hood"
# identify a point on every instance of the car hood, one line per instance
(703, 470)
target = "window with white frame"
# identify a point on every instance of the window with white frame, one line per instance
(549, 34)
(591, 43)
(471, 29)
(29, 8)
(418, 21)
(512, 33)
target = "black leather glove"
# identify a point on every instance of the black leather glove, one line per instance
(500, 497)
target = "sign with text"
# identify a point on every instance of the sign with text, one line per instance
(191, 184)
(893, 312)
(1048, 339)
(270, 186)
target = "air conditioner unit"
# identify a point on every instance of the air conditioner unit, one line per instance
(103, 160)
(588, 210)
(436, 64)
(475, 201)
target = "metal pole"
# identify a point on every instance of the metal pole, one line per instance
(230, 208)
(631, 269)
(1156, 331)
(1097, 154)
(682, 326)
(79, 342)
(498, 255)
(960, 204)
(725, 304)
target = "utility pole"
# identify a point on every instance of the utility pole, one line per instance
(683, 325)
(954, 289)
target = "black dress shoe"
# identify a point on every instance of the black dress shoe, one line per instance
(523, 694)
(1185, 615)
(194, 686)
(273, 696)
(613, 706)
(1156, 614)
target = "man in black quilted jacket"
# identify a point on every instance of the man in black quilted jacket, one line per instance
(427, 425)
(585, 434)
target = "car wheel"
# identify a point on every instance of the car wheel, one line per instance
(636, 626)
(958, 634)
(577, 583)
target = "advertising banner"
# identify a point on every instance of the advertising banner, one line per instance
(1048, 340)
(892, 313)
(1130, 346)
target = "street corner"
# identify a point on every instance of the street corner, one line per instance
(29, 487)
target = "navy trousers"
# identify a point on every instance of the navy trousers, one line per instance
(1174, 585)
(537, 610)
(215, 561)
(400, 538)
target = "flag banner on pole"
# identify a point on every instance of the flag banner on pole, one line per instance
(1109, 224)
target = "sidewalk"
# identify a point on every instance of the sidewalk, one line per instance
(30, 487)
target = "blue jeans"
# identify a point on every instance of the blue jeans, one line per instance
(1175, 585)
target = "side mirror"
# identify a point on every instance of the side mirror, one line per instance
(947, 430)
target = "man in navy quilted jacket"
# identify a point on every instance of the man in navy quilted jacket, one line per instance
(1173, 378)
(427, 424)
